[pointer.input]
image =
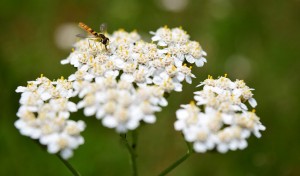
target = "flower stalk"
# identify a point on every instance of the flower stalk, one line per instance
(69, 166)
(179, 161)
(132, 151)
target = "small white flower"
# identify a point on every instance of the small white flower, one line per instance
(252, 102)
(163, 36)
(166, 83)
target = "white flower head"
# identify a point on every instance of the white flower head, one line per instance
(44, 115)
(176, 43)
(120, 105)
(137, 61)
(148, 69)
(221, 120)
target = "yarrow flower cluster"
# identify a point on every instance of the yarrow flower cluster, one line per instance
(220, 118)
(176, 42)
(137, 61)
(119, 104)
(122, 84)
(44, 115)
(147, 69)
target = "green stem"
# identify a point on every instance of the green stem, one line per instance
(66, 163)
(134, 140)
(131, 150)
(179, 161)
(69, 166)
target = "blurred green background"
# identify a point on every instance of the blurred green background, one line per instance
(257, 41)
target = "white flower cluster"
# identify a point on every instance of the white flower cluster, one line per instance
(137, 61)
(125, 84)
(221, 120)
(176, 43)
(122, 84)
(119, 104)
(44, 115)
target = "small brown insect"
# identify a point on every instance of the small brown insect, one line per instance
(99, 36)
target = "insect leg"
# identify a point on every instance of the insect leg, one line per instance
(89, 42)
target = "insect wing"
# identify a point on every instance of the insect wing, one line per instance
(103, 27)
(85, 36)
(81, 36)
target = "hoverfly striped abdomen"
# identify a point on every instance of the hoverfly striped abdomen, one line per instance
(102, 38)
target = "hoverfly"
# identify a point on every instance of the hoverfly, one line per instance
(98, 36)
